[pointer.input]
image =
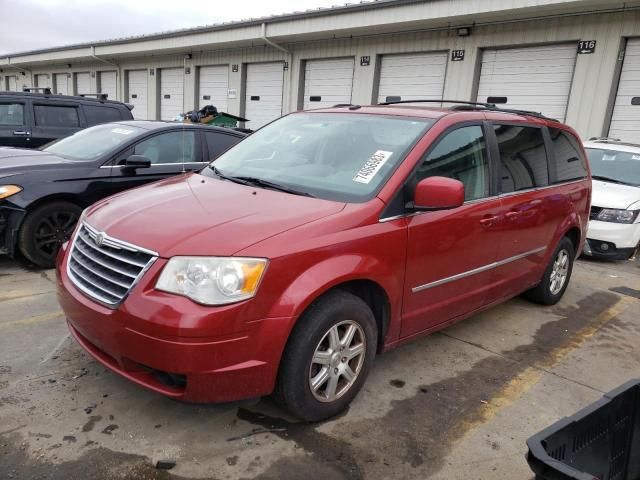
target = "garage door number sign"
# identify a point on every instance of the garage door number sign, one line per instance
(586, 47)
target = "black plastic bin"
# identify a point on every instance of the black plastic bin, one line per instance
(600, 442)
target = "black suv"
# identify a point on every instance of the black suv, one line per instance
(30, 120)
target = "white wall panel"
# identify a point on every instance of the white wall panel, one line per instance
(171, 93)
(625, 123)
(213, 83)
(413, 76)
(138, 93)
(263, 93)
(108, 83)
(61, 86)
(328, 82)
(43, 80)
(83, 83)
(532, 78)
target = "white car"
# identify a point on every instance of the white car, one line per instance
(614, 226)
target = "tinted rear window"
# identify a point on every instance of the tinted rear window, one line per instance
(11, 114)
(96, 115)
(570, 163)
(218, 143)
(523, 158)
(56, 116)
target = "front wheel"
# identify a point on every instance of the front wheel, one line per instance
(45, 229)
(556, 277)
(328, 357)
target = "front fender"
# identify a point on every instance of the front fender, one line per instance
(333, 271)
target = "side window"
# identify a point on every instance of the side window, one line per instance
(569, 162)
(97, 115)
(219, 143)
(11, 114)
(171, 147)
(462, 155)
(523, 158)
(56, 116)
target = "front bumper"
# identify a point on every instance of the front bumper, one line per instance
(174, 346)
(10, 220)
(616, 241)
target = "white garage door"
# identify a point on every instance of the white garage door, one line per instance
(42, 80)
(625, 123)
(171, 93)
(263, 93)
(328, 82)
(109, 84)
(531, 78)
(137, 85)
(214, 87)
(83, 83)
(12, 83)
(413, 76)
(61, 83)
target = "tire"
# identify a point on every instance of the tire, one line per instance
(336, 312)
(45, 229)
(547, 292)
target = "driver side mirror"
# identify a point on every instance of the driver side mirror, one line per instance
(137, 161)
(438, 193)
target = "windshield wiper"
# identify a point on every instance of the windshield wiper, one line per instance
(612, 180)
(228, 177)
(274, 186)
(259, 183)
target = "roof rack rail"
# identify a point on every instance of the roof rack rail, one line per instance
(45, 90)
(459, 102)
(615, 141)
(99, 96)
(350, 106)
(466, 105)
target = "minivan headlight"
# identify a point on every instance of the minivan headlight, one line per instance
(212, 280)
(7, 190)
(617, 216)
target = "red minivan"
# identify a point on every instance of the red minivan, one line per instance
(321, 240)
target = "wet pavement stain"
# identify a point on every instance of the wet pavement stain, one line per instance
(630, 292)
(95, 464)
(413, 439)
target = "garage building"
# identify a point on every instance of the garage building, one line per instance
(574, 60)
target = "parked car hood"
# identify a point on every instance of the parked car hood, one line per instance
(614, 195)
(18, 160)
(196, 215)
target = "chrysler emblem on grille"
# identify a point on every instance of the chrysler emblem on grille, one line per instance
(99, 239)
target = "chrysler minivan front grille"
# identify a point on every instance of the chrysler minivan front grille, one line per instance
(104, 268)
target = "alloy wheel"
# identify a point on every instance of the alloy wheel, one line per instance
(53, 231)
(559, 272)
(337, 361)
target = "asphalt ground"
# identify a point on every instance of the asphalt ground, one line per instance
(458, 404)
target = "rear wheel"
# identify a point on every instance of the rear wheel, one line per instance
(328, 357)
(556, 277)
(45, 229)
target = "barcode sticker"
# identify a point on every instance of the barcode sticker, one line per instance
(372, 166)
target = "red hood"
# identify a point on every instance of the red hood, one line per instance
(196, 215)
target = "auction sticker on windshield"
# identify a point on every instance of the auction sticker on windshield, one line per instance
(372, 166)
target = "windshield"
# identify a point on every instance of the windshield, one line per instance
(343, 157)
(93, 142)
(621, 167)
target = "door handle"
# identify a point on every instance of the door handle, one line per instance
(488, 221)
(512, 215)
(21, 133)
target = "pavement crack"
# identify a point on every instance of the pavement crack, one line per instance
(533, 366)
